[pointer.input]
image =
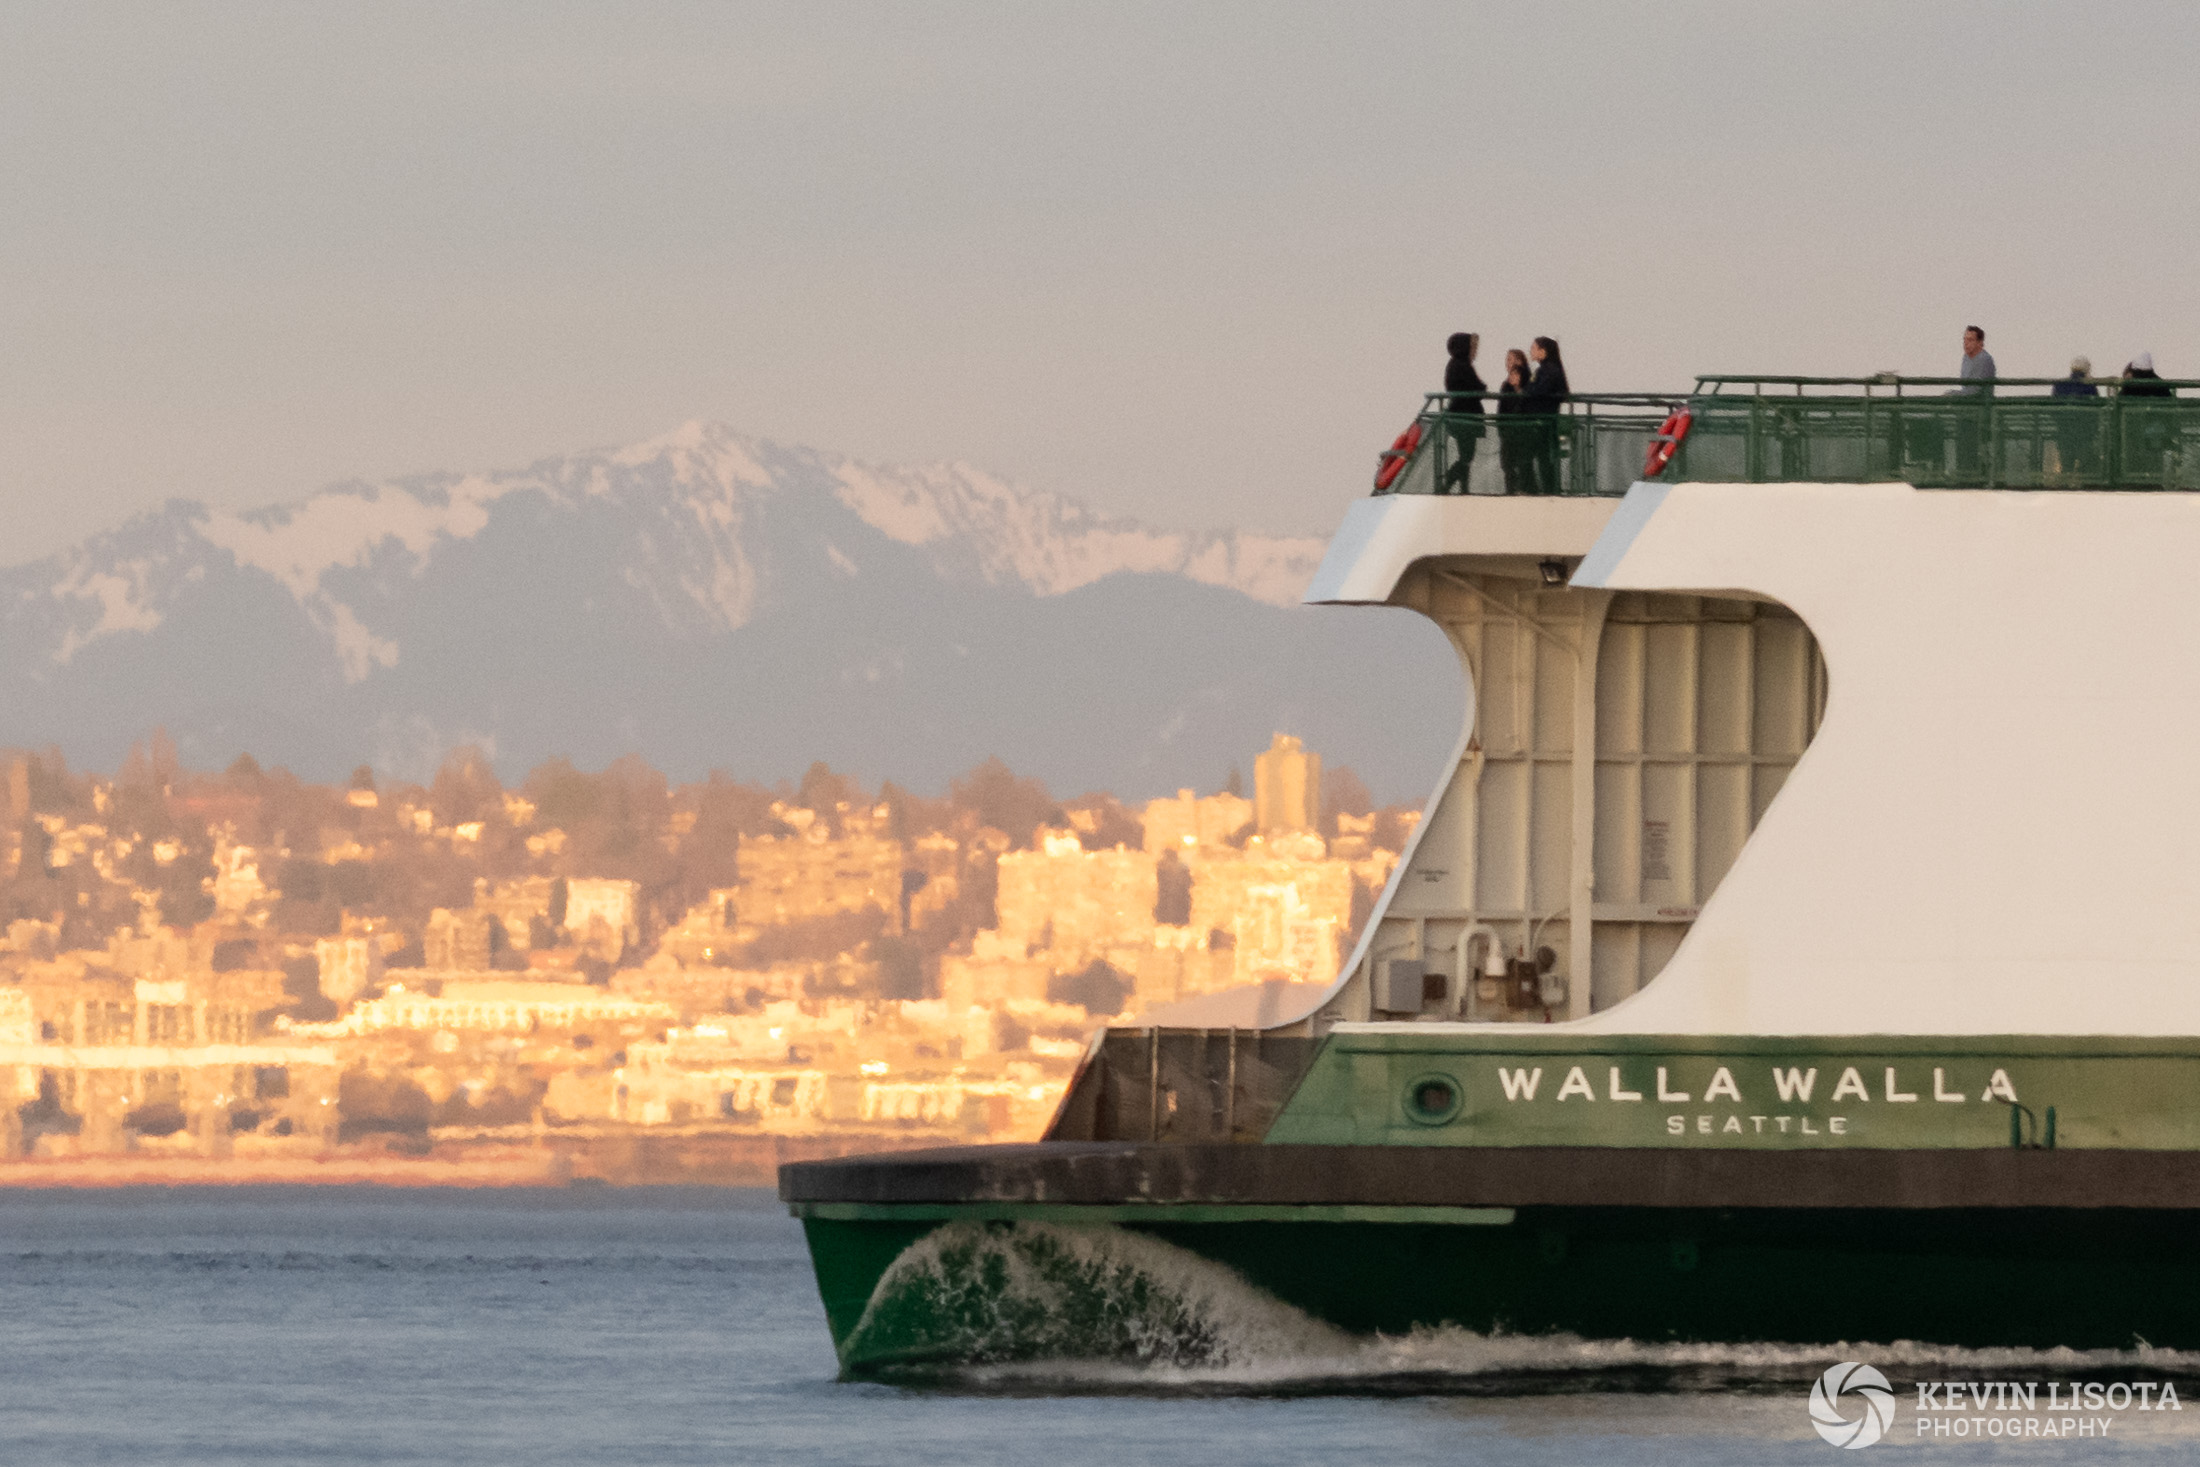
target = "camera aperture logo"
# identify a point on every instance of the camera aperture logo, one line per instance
(1852, 1405)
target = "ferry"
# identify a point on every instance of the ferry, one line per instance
(1803, 944)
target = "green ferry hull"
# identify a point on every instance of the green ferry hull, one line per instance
(920, 1286)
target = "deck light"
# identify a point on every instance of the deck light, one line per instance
(1554, 572)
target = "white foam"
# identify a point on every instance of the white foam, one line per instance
(1448, 1358)
(989, 1294)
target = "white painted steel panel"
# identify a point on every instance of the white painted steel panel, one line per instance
(1697, 707)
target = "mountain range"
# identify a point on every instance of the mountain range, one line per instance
(712, 600)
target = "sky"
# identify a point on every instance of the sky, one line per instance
(1192, 265)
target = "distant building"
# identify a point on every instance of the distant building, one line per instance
(521, 907)
(931, 877)
(235, 885)
(348, 966)
(653, 1089)
(707, 932)
(1073, 902)
(589, 897)
(97, 1063)
(1287, 787)
(15, 808)
(506, 1005)
(17, 1024)
(990, 980)
(1182, 963)
(603, 914)
(704, 1076)
(32, 938)
(1355, 839)
(465, 940)
(1279, 915)
(810, 874)
(1280, 936)
(709, 987)
(77, 1005)
(1186, 821)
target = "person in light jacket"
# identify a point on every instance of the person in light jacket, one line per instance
(1977, 364)
(1977, 371)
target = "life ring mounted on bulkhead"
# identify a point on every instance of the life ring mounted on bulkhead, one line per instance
(1666, 442)
(1393, 458)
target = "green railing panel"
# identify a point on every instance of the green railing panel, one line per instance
(1935, 433)
(1981, 442)
(1593, 446)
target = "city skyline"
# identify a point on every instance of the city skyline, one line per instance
(245, 975)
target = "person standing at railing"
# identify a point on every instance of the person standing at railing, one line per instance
(2080, 381)
(2141, 380)
(2147, 437)
(1546, 390)
(1512, 436)
(1977, 371)
(2070, 451)
(1462, 413)
(1977, 364)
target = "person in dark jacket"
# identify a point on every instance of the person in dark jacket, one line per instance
(2148, 435)
(1512, 437)
(2141, 380)
(1546, 390)
(1463, 413)
(2080, 381)
(2070, 451)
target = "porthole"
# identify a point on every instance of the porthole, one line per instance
(1433, 1099)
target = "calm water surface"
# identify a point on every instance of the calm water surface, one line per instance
(675, 1326)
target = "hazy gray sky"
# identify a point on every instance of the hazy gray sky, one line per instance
(1192, 263)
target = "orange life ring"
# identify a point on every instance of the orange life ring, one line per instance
(1394, 458)
(1668, 439)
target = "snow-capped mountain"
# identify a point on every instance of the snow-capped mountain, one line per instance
(708, 600)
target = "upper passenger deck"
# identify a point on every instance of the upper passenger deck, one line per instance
(1930, 432)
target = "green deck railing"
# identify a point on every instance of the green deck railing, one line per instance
(1593, 445)
(1933, 432)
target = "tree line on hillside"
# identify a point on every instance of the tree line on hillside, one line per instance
(324, 851)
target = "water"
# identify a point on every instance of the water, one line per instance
(676, 1326)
